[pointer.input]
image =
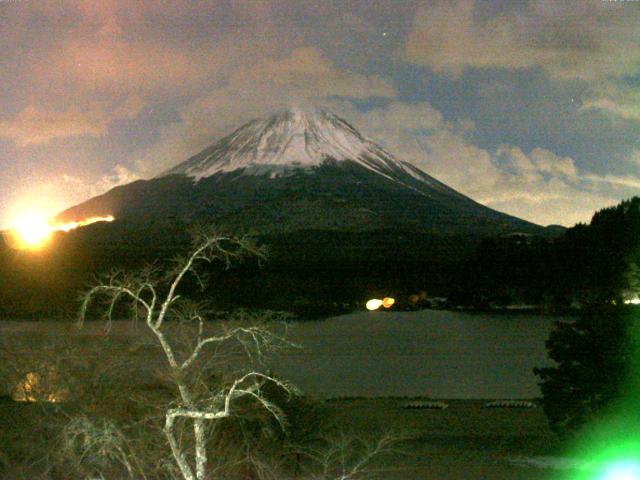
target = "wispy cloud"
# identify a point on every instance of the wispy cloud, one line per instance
(35, 125)
(82, 188)
(614, 97)
(632, 181)
(570, 39)
(539, 186)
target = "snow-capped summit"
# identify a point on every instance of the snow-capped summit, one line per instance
(295, 139)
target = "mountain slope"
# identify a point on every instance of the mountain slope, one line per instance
(296, 141)
(301, 170)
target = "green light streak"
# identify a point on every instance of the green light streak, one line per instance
(627, 470)
(609, 449)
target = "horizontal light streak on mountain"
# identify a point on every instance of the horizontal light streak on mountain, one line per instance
(32, 231)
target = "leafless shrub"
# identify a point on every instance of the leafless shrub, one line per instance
(348, 457)
(94, 447)
(155, 295)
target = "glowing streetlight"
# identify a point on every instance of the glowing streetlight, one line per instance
(388, 302)
(374, 304)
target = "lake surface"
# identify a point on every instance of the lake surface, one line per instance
(440, 354)
(435, 353)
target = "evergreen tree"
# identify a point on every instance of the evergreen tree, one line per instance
(594, 355)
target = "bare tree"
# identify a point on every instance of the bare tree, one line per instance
(349, 457)
(155, 295)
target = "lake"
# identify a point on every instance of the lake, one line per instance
(441, 354)
(435, 353)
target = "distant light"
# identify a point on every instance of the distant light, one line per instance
(387, 302)
(623, 470)
(66, 227)
(35, 387)
(633, 301)
(32, 231)
(374, 304)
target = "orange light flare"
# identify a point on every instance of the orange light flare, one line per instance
(32, 231)
(67, 227)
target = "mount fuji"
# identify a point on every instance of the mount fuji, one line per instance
(301, 170)
(296, 140)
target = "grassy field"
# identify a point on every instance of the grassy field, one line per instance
(465, 441)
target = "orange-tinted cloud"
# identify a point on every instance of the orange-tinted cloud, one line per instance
(308, 72)
(95, 49)
(35, 125)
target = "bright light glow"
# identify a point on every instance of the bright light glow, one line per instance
(623, 470)
(387, 302)
(32, 231)
(66, 227)
(35, 388)
(374, 304)
(633, 301)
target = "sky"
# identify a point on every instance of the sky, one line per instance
(529, 107)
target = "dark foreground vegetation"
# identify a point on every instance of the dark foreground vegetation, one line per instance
(185, 397)
(112, 394)
(310, 273)
(98, 411)
(597, 357)
(591, 396)
(589, 265)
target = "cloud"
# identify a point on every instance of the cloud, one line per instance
(548, 162)
(303, 76)
(569, 39)
(538, 186)
(307, 72)
(81, 188)
(632, 181)
(615, 98)
(77, 52)
(119, 175)
(35, 125)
